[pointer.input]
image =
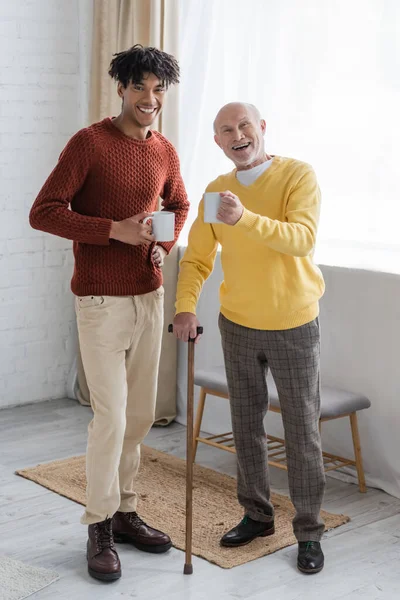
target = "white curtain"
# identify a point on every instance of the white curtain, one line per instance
(325, 75)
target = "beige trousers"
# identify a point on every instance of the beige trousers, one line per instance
(120, 341)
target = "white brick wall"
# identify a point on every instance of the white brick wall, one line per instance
(44, 48)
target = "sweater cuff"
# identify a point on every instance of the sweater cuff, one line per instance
(185, 306)
(100, 236)
(247, 220)
(167, 246)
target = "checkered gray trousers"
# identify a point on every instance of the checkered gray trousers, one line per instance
(293, 355)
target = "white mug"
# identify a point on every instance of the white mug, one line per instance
(212, 201)
(162, 225)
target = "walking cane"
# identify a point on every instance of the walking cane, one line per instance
(188, 568)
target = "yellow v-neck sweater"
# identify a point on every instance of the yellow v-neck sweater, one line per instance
(270, 279)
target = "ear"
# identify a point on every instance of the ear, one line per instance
(216, 140)
(120, 89)
(263, 126)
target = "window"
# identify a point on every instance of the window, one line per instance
(326, 78)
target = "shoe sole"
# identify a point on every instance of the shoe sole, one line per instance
(265, 534)
(310, 571)
(125, 539)
(104, 576)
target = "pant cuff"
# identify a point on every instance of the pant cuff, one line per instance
(258, 517)
(308, 537)
(126, 507)
(87, 519)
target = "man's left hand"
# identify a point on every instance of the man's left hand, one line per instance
(231, 209)
(158, 254)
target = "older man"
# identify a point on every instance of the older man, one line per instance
(269, 320)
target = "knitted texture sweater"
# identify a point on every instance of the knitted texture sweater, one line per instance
(103, 176)
(270, 279)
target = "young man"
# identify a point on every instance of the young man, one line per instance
(269, 319)
(107, 180)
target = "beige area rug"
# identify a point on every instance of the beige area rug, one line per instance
(161, 488)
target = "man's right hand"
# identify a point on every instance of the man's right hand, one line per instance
(132, 231)
(185, 326)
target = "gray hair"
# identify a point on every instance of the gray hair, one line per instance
(250, 107)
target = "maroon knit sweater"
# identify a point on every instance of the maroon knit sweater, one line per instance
(102, 176)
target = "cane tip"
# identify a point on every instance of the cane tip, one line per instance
(188, 569)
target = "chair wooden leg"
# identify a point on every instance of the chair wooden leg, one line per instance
(357, 452)
(199, 418)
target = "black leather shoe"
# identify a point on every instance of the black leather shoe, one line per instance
(247, 531)
(310, 559)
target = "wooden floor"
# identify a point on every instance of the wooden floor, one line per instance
(41, 528)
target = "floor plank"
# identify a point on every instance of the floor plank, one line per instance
(43, 529)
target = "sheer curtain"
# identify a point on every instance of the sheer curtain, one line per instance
(326, 77)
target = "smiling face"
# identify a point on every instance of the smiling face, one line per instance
(143, 101)
(239, 132)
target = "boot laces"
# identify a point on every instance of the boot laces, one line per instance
(134, 519)
(104, 534)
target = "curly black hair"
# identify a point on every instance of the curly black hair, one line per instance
(130, 65)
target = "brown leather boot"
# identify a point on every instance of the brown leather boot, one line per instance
(130, 528)
(102, 557)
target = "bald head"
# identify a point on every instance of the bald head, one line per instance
(239, 132)
(230, 110)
